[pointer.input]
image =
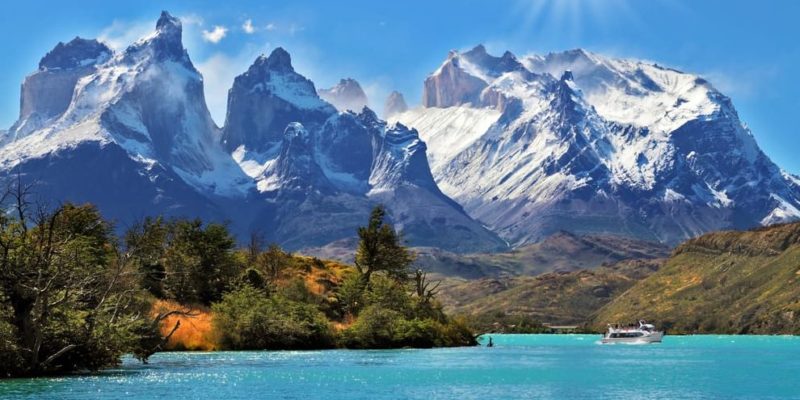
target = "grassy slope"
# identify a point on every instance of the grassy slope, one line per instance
(556, 297)
(560, 252)
(725, 282)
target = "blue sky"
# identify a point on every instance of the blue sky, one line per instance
(749, 50)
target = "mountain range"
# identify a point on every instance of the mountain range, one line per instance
(130, 131)
(503, 151)
(588, 144)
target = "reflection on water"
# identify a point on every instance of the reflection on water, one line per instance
(519, 366)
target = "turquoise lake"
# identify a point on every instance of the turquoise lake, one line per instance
(519, 366)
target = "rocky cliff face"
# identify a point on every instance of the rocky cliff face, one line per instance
(579, 142)
(133, 136)
(47, 92)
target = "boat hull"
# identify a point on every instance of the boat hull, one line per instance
(654, 337)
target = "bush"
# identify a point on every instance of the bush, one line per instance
(379, 327)
(249, 319)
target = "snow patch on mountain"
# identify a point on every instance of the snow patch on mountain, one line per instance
(448, 131)
(291, 90)
(784, 212)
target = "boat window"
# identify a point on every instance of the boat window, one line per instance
(626, 335)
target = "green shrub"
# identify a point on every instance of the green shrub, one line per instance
(378, 327)
(248, 319)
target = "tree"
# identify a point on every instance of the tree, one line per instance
(184, 260)
(69, 297)
(145, 243)
(380, 249)
(273, 262)
(254, 247)
(424, 289)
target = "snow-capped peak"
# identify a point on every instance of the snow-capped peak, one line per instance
(631, 91)
(47, 93)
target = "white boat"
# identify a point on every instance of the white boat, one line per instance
(644, 333)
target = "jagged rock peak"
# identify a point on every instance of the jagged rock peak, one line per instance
(369, 117)
(76, 53)
(346, 95)
(349, 83)
(279, 60)
(493, 66)
(168, 24)
(576, 54)
(567, 76)
(395, 104)
(166, 42)
(477, 51)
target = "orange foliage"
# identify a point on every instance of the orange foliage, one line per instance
(195, 331)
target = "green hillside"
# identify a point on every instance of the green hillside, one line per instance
(725, 282)
(555, 297)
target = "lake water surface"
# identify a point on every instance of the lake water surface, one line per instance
(518, 367)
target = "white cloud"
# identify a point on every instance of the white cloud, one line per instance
(271, 26)
(191, 19)
(294, 28)
(215, 35)
(120, 34)
(377, 91)
(744, 83)
(248, 27)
